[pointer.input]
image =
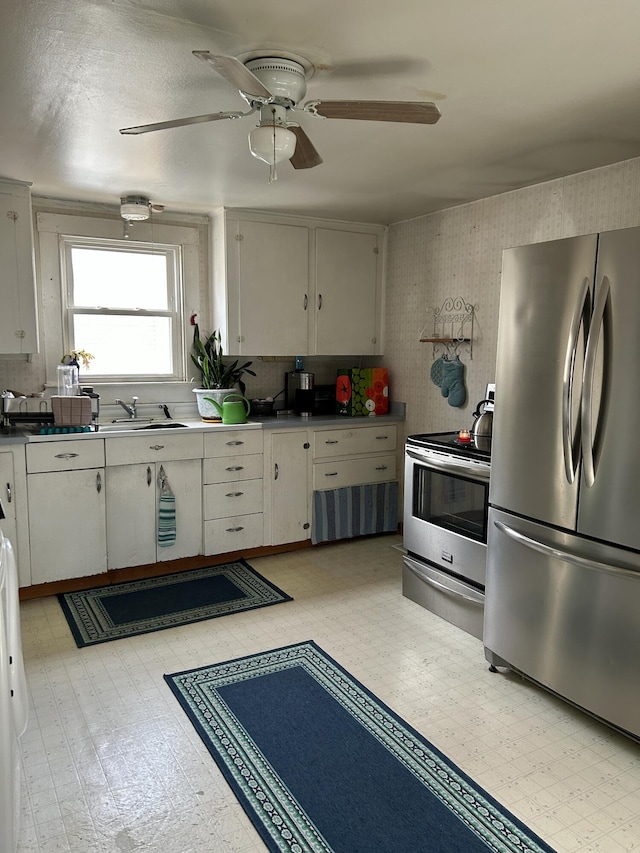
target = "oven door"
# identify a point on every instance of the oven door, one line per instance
(445, 515)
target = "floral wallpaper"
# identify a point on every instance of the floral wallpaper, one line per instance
(458, 252)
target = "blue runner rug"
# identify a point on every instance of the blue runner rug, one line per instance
(320, 764)
(138, 607)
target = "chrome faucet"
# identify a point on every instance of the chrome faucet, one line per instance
(130, 410)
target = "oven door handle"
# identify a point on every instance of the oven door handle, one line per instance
(421, 572)
(478, 472)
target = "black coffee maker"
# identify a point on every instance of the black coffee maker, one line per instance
(299, 390)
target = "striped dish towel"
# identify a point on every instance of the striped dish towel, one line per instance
(166, 513)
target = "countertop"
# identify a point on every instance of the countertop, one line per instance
(29, 434)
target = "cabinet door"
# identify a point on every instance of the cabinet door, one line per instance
(132, 508)
(185, 480)
(272, 279)
(67, 528)
(131, 515)
(7, 499)
(348, 298)
(289, 487)
(18, 318)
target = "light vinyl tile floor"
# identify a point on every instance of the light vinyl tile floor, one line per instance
(112, 765)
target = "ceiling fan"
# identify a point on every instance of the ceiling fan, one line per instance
(275, 86)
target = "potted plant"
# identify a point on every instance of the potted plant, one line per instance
(217, 379)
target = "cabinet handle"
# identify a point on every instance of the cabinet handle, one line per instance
(332, 474)
(234, 443)
(331, 441)
(234, 494)
(98, 482)
(148, 475)
(306, 525)
(319, 301)
(234, 529)
(306, 445)
(156, 447)
(381, 467)
(9, 495)
(382, 437)
(276, 471)
(235, 468)
(306, 301)
(66, 455)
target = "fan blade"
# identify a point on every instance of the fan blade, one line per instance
(237, 74)
(181, 122)
(413, 112)
(305, 156)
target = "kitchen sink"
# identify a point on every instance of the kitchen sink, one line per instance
(163, 425)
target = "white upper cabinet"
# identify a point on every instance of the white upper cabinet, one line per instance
(295, 286)
(18, 317)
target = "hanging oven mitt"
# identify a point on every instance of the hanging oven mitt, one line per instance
(437, 370)
(452, 386)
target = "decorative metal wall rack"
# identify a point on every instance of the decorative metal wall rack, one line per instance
(451, 327)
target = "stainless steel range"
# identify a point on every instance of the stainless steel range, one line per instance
(445, 526)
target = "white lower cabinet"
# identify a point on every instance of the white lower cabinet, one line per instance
(133, 493)
(7, 498)
(233, 491)
(66, 499)
(287, 479)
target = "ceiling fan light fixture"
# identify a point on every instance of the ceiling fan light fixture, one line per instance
(272, 143)
(134, 208)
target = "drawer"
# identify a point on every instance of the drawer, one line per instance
(128, 450)
(225, 469)
(348, 442)
(236, 441)
(353, 472)
(223, 500)
(233, 534)
(64, 455)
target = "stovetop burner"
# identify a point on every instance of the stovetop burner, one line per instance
(449, 442)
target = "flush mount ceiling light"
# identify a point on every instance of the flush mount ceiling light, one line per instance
(135, 208)
(272, 141)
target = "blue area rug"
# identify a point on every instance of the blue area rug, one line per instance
(320, 764)
(138, 607)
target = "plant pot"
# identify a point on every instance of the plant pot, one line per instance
(207, 410)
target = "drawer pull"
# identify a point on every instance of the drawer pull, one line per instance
(234, 494)
(234, 529)
(234, 443)
(332, 474)
(235, 468)
(9, 495)
(382, 437)
(66, 455)
(331, 441)
(156, 447)
(381, 467)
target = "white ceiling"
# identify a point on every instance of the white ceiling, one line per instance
(529, 90)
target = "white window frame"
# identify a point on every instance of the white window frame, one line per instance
(172, 254)
(50, 226)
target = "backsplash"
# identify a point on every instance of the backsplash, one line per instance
(458, 252)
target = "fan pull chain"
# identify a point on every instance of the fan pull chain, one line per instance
(273, 173)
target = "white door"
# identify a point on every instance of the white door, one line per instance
(273, 278)
(132, 512)
(67, 529)
(289, 485)
(131, 515)
(347, 303)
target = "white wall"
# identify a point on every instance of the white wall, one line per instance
(458, 252)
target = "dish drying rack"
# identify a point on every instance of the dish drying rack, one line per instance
(37, 411)
(451, 327)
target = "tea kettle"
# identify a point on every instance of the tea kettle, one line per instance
(232, 412)
(482, 424)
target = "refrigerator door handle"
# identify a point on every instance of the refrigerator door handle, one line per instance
(587, 437)
(552, 551)
(571, 462)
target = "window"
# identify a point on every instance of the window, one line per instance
(122, 304)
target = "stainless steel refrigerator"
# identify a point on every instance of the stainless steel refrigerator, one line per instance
(562, 602)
